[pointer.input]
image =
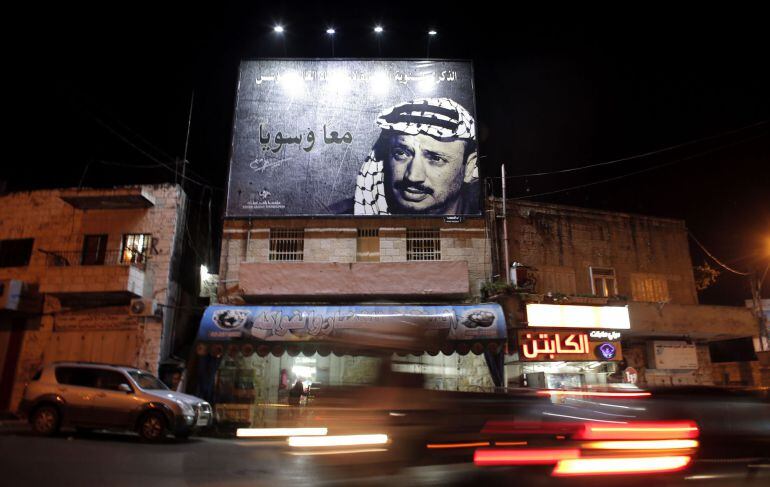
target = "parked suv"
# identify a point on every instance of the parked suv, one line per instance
(90, 396)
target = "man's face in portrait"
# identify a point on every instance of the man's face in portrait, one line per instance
(424, 174)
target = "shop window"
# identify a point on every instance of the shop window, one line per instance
(287, 244)
(368, 245)
(16, 252)
(94, 250)
(423, 244)
(652, 288)
(603, 282)
(135, 248)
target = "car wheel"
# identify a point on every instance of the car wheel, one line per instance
(152, 427)
(45, 420)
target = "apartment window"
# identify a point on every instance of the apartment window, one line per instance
(135, 248)
(16, 252)
(423, 245)
(652, 288)
(287, 244)
(368, 245)
(94, 250)
(603, 282)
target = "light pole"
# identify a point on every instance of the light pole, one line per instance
(756, 295)
(431, 33)
(278, 29)
(378, 32)
(330, 32)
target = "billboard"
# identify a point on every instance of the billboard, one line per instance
(290, 323)
(354, 137)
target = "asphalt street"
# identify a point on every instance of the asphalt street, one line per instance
(101, 458)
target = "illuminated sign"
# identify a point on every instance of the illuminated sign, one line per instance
(606, 351)
(603, 335)
(310, 323)
(572, 316)
(335, 137)
(564, 346)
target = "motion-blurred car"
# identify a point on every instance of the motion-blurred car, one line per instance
(100, 396)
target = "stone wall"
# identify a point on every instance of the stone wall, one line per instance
(57, 226)
(563, 237)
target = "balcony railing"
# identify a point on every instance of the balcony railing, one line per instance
(59, 258)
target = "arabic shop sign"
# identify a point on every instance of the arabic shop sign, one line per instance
(310, 323)
(604, 335)
(309, 137)
(574, 316)
(546, 346)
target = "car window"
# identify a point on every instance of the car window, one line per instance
(76, 376)
(110, 379)
(147, 381)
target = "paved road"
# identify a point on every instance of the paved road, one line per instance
(118, 460)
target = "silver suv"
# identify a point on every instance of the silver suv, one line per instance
(91, 396)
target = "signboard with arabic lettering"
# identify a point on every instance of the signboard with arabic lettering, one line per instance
(354, 137)
(562, 346)
(308, 323)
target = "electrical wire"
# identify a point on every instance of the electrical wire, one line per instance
(640, 171)
(725, 266)
(637, 156)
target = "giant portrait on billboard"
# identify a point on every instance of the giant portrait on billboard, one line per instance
(354, 137)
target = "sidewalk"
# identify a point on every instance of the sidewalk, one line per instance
(10, 424)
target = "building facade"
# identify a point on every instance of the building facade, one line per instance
(91, 275)
(396, 267)
(573, 256)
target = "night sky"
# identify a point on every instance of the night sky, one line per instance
(99, 97)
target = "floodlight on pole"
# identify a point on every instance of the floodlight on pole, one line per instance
(330, 32)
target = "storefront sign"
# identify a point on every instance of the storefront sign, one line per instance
(573, 316)
(565, 346)
(673, 355)
(304, 323)
(603, 335)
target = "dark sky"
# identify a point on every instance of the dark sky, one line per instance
(100, 95)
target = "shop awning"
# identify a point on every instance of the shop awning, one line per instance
(352, 329)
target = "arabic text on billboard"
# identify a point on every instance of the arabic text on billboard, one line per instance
(354, 137)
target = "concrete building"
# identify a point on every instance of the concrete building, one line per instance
(394, 263)
(571, 255)
(92, 275)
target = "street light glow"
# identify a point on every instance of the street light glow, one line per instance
(378, 29)
(432, 32)
(278, 29)
(331, 31)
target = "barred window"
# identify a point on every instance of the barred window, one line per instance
(287, 244)
(603, 281)
(368, 245)
(423, 244)
(136, 246)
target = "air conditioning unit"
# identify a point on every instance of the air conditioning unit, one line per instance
(143, 307)
(10, 293)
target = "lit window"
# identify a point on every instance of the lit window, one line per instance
(649, 287)
(135, 248)
(603, 282)
(287, 244)
(423, 245)
(368, 245)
